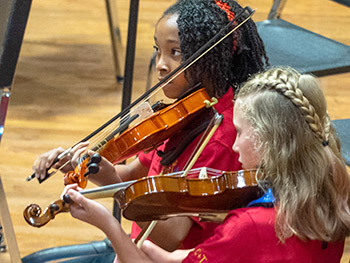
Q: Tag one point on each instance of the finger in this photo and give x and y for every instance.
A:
(52, 156)
(68, 187)
(77, 208)
(80, 206)
(41, 170)
(44, 161)
(76, 156)
(75, 196)
(35, 166)
(79, 146)
(91, 152)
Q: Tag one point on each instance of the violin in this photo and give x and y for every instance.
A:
(160, 197)
(164, 196)
(145, 135)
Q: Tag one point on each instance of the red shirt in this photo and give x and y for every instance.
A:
(248, 235)
(217, 154)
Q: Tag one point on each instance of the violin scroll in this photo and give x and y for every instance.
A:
(32, 213)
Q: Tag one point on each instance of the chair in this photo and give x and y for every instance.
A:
(343, 2)
(290, 45)
(81, 251)
(342, 127)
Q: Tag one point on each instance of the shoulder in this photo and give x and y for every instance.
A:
(247, 224)
(225, 103)
(146, 158)
(233, 240)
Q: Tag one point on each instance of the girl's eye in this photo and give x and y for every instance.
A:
(176, 52)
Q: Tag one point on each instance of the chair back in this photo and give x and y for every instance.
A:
(342, 127)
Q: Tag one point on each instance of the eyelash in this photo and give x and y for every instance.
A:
(174, 52)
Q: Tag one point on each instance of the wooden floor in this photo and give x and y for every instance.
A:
(65, 88)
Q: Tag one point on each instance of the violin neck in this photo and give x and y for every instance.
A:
(105, 191)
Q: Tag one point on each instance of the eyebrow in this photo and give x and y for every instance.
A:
(169, 40)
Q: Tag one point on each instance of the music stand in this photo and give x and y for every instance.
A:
(13, 20)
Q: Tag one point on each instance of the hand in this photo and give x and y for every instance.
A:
(45, 160)
(85, 209)
(107, 173)
(75, 153)
(159, 255)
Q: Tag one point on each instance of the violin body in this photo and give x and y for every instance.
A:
(147, 134)
(164, 196)
(161, 197)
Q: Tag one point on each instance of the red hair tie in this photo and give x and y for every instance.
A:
(225, 7)
(230, 16)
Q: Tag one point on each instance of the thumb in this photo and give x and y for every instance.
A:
(76, 197)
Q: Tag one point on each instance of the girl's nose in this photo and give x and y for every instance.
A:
(234, 147)
(162, 65)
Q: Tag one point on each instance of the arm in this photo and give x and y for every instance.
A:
(158, 254)
(97, 215)
(111, 174)
(108, 174)
(168, 234)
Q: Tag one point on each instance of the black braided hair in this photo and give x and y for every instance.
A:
(198, 22)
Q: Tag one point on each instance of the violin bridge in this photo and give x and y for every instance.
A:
(144, 110)
(203, 173)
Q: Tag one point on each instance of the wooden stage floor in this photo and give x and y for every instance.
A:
(65, 88)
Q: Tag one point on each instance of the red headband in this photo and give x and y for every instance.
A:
(225, 7)
(230, 16)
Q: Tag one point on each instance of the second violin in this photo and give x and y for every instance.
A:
(161, 197)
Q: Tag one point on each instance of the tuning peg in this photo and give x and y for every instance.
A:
(92, 169)
(95, 158)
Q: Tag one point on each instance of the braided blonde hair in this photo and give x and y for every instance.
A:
(300, 154)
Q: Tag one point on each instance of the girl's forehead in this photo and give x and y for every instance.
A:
(167, 29)
(169, 20)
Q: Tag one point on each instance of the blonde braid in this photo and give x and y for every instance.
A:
(327, 127)
(286, 83)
